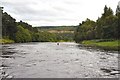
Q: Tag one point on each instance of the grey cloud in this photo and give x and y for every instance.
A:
(51, 10)
(24, 10)
(61, 9)
(119, 3)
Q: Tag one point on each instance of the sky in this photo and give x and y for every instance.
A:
(56, 12)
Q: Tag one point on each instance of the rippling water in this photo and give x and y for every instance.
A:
(49, 60)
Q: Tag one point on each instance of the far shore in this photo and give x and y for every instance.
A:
(8, 41)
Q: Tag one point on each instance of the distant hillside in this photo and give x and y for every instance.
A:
(57, 29)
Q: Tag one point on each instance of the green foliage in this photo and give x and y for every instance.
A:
(103, 44)
(85, 31)
(106, 27)
(6, 41)
(25, 25)
(56, 28)
(23, 35)
(107, 12)
(8, 26)
(64, 36)
(118, 21)
(43, 37)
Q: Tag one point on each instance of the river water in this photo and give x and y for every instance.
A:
(49, 60)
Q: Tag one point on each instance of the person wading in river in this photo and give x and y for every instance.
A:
(58, 44)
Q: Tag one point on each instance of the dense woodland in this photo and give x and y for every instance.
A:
(105, 27)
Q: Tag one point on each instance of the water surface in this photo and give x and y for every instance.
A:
(49, 60)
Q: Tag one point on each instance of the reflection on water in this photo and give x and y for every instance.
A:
(49, 60)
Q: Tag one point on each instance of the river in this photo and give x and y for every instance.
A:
(49, 60)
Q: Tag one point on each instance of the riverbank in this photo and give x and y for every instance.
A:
(110, 45)
(6, 41)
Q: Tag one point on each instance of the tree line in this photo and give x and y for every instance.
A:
(105, 27)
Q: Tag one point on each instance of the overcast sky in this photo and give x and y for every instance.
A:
(56, 12)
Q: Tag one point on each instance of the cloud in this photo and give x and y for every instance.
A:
(56, 12)
(119, 3)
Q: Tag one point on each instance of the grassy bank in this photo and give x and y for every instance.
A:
(6, 41)
(111, 45)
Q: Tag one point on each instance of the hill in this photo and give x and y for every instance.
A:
(57, 29)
